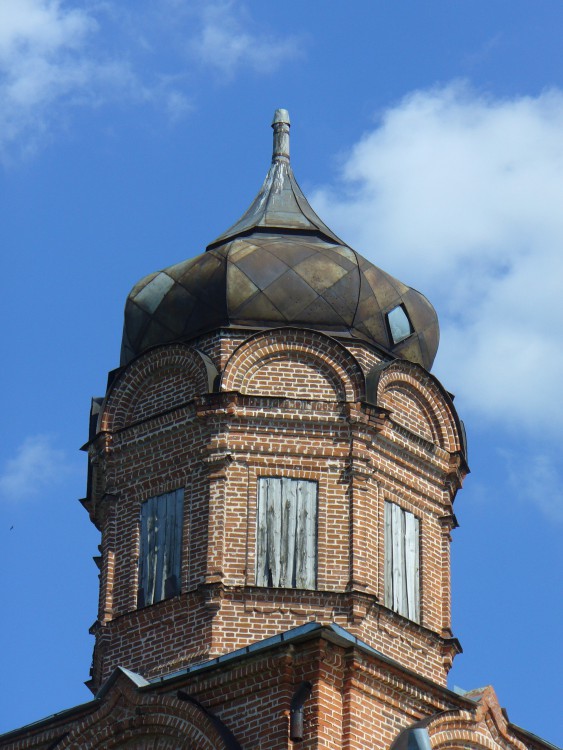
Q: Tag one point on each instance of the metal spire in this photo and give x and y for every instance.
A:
(280, 204)
(281, 125)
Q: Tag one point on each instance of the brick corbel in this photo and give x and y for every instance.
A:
(99, 510)
(216, 465)
(99, 445)
(451, 647)
(212, 594)
(456, 472)
(448, 522)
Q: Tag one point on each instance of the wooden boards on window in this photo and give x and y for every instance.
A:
(286, 535)
(161, 547)
(402, 561)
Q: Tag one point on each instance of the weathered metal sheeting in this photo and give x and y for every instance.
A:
(278, 265)
(269, 280)
(280, 203)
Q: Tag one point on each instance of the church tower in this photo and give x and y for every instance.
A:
(272, 470)
(273, 451)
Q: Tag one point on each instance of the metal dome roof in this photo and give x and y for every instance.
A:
(280, 265)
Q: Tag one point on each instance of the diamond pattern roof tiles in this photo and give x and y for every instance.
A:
(279, 263)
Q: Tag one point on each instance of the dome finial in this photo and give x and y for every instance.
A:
(280, 204)
(281, 125)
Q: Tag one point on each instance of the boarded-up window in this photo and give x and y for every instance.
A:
(286, 539)
(161, 547)
(402, 562)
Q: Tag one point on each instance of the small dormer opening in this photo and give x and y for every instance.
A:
(399, 324)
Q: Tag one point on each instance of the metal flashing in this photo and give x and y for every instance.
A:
(137, 679)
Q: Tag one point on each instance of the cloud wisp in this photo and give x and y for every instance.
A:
(49, 63)
(460, 195)
(227, 42)
(36, 465)
(537, 479)
(60, 57)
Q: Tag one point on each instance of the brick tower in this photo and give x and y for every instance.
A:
(272, 470)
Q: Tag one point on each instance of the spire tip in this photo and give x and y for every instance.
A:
(281, 115)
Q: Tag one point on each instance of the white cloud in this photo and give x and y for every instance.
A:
(60, 55)
(461, 196)
(177, 105)
(40, 26)
(37, 464)
(47, 63)
(227, 42)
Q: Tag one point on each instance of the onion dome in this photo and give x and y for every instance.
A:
(280, 265)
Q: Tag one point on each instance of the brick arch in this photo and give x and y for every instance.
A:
(485, 727)
(160, 379)
(430, 399)
(310, 348)
(462, 730)
(403, 399)
(149, 722)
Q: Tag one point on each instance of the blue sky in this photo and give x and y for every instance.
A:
(428, 135)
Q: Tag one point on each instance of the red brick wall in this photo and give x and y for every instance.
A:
(217, 445)
(302, 378)
(357, 701)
